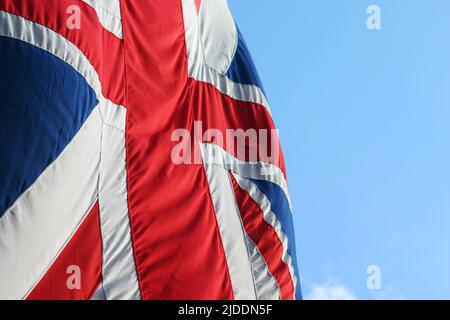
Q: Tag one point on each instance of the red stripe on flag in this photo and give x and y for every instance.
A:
(178, 250)
(102, 48)
(84, 251)
(219, 111)
(198, 3)
(265, 238)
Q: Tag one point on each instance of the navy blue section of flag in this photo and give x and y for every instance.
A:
(279, 205)
(242, 69)
(48, 101)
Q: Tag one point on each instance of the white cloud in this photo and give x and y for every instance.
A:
(332, 289)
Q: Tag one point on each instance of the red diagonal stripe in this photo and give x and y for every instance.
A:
(84, 250)
(222, 112)
(265, 238)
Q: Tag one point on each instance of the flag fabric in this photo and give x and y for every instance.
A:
(128, 164)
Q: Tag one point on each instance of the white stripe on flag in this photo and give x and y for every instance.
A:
(266, 286)
(119, 270)
(214, 154)
(108, 12)
(38, 225)
(270, 217)
(232, 233)
(200, 71)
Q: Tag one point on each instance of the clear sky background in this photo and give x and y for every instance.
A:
(364, 119)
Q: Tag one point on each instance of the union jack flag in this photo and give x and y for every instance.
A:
(138, 156)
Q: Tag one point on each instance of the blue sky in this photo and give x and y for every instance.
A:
(364, 119)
